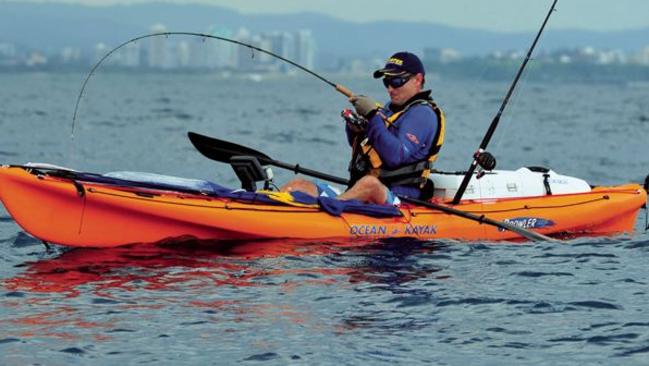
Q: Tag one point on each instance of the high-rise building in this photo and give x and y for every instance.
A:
(70, 55)
(7, 50)
(244, 56)
(445, 55)
(282, 44)
(183, 53)
(264, 43)
(36, 59)
(305, 48)
(157, 52)
(218, 53)
(643, 56)
(8, 54)
(131, 55)
(100, 51)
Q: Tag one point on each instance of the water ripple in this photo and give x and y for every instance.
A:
(25, 240)
(634, 351)
(470, 301)
(262, 357)
(73, 350)
(507, 331)
(596, 305)
(616, 338)
(542, 274)
(9, 340)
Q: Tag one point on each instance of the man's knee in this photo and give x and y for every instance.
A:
(293, 185)
(370, 182)
(301, 185)
(375, 190)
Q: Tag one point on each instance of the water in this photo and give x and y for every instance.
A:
(276, 303)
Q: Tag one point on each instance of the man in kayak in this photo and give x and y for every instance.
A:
(394, 147)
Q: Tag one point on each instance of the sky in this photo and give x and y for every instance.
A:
(496, 15)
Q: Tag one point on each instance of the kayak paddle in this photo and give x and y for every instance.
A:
(223, 151)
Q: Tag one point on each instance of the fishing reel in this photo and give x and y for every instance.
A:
(356, 123)
(486, 162)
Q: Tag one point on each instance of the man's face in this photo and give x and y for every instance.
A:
(400, 95)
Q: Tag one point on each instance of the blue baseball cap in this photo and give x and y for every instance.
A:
(401, 63)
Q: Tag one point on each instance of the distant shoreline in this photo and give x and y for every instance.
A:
(462, 70)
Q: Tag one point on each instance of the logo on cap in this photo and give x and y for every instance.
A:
(396, 61)
(400, 63)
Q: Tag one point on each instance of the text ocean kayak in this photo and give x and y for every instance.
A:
(71, 211)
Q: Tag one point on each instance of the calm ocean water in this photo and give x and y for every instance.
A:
(276, 303)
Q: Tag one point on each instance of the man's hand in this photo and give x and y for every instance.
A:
(355, 123)
(365, 106)
(486, 160)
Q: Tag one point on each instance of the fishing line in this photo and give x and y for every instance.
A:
(493, 69)
(509, 120)
(496, 119)
(339, 88)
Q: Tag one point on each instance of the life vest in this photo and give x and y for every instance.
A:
(365, 159)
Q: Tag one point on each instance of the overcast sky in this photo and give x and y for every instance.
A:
(498, 15)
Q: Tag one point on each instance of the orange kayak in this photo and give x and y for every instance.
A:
(70, 211)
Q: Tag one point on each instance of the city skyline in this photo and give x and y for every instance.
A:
(180, 51)
(37, 35)
(166, 52)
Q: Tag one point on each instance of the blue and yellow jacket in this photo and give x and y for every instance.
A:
(401, 144)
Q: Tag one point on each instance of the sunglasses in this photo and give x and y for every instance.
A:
(396, 81)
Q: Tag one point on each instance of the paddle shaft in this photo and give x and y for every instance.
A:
(527, 234)
(223, 151)
(482, 219)
(496, 120)
(312, 173)
(530, 235)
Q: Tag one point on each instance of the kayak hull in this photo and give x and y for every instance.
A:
(84, 214)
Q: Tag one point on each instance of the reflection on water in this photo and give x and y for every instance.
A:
(214, 278)
(290, 298)
(159, 267)
(217, 263)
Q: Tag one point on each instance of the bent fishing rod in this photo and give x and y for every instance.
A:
(496, 119)
(339, 88)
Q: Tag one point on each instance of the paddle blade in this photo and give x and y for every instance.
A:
(222, 151)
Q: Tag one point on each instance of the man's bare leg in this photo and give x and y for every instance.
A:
(367, 189)
(302, 185)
